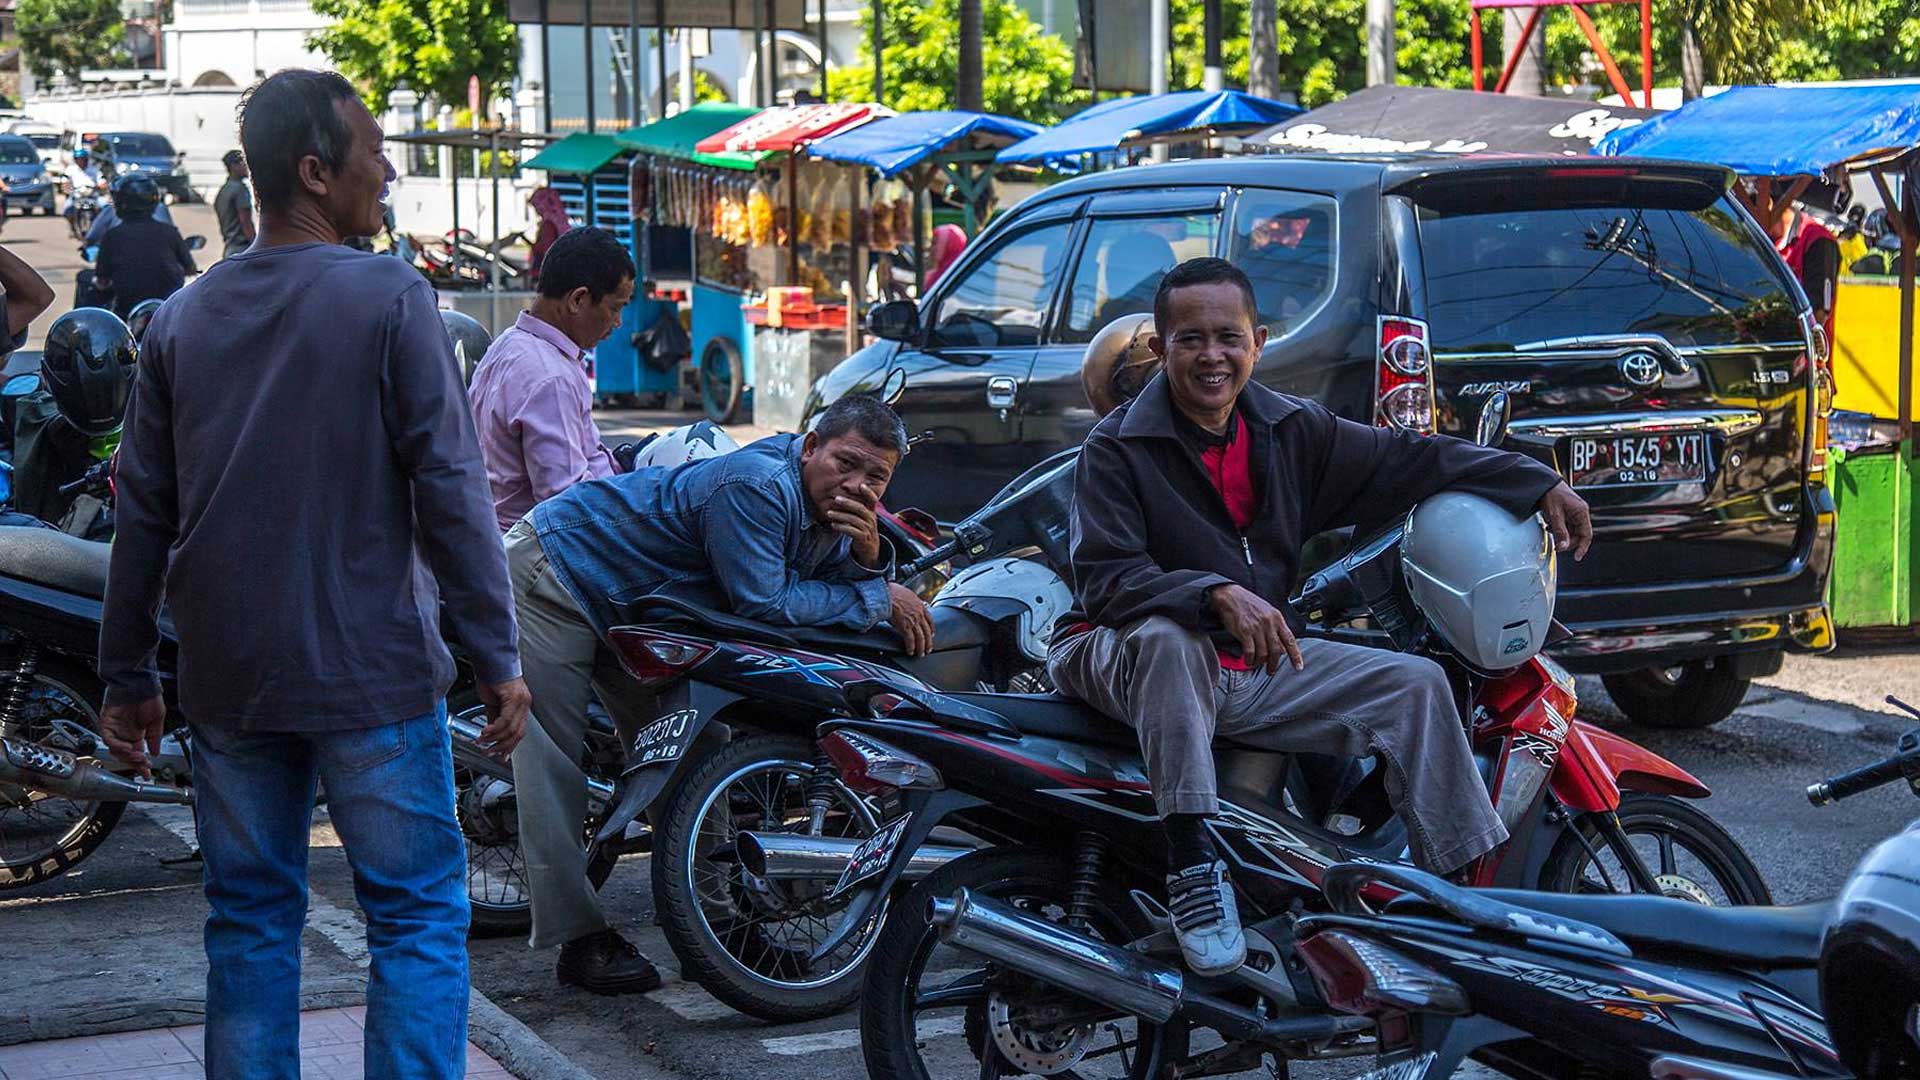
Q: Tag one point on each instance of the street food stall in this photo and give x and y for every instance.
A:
(1426, 119)
(588, 171)
(1794, 137)
(911, 155)
(1118, 132)
(773, 253)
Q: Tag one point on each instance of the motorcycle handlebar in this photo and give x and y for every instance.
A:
(1866, 778)
(908, 571)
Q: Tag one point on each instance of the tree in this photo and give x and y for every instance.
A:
(433, 46)
(67, 36)
(1028, 74)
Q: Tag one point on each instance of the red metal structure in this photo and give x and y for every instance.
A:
(1537, 8)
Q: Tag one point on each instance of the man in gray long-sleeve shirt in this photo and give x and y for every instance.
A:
(300, 471)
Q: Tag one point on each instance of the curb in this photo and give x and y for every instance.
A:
(514, 1044)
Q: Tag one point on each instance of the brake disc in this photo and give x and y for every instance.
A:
(1678, 887)
(1042, 1053)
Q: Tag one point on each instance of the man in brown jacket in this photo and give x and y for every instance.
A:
(1191, 503)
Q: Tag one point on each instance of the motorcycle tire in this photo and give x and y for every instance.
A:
(82, 689)
(742, 961)
(1674, 823)
(1686, 697)
(891, 1040)
(507, 915)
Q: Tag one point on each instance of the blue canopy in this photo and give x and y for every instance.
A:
(1104, 127)
(1780, 130)
(895, 143)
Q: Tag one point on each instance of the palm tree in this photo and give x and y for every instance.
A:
(1729, 41)
(1263, 49)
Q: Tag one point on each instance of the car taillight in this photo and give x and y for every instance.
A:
(1820, 354)
(654, 658)
(1403, 376)
(872, 767)
(1358, 976)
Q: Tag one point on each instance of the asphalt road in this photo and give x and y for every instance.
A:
(142, 917)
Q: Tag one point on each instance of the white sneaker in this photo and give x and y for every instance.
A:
(1206, 918)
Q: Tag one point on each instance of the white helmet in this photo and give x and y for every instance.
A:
(692, 442)
(1017, 588)
(1483, 577)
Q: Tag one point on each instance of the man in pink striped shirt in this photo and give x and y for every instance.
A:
(531, 400)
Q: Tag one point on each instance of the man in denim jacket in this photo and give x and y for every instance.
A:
(782, 531)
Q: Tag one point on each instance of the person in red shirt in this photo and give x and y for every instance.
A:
(1809, 248)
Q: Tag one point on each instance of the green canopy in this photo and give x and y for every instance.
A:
(677, 135)
(580, 153)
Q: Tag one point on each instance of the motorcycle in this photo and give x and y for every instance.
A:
(1550, 986)
(750, 939)
(1071, 896)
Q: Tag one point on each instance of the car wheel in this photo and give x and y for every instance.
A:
(1691, 695)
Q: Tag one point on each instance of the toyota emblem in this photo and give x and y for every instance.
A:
(1641, 370)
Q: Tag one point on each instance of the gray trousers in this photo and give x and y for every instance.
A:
(1166, 682)
(565, 664)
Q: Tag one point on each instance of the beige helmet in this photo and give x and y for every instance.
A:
(1118, 362)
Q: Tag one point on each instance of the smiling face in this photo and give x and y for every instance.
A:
(846, 465)
(355, 196)
(1207, 348)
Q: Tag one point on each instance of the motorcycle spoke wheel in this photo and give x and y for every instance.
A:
(498, 892)
(1690, 855)
(42, 835)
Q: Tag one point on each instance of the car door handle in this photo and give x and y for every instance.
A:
(1001, 390)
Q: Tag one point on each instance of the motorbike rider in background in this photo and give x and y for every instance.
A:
(72, 421)
(140, 258)
(1191, 504)
(80, 177)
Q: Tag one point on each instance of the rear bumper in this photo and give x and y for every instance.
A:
(1622, 629)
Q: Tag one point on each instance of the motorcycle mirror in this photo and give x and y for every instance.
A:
(1492, 428)
(20, 385)
(195, 243)
(894, 386)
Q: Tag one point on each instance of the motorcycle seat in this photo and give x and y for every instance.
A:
(54, 559)
(1052, 716)
(1759, 937)
(952, 628)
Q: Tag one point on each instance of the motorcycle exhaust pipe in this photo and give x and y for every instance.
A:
(1058, 955)
(43, 768)
(468, 753)
(797, 857)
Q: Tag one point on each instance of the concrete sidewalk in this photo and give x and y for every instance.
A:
(331, 1043)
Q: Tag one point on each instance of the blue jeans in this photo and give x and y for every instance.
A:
(390, 795)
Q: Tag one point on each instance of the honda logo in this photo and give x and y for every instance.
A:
(1641, 370)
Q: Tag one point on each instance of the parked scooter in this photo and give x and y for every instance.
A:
(1072, 899)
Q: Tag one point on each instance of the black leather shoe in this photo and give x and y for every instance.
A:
(606, 963)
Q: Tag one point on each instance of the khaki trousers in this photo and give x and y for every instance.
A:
(1166, 682)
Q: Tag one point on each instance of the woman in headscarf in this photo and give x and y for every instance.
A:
(553, 221)
(948, 242)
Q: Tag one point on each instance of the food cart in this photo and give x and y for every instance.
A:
(1116, 132)
(1797, 136)
(772, 235)
(911, 153)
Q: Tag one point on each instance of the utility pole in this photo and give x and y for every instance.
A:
(879, 41)
(1211, 76)
(1263, 49)
(1157, 45)
(968, 95)
(1380, 64)
(1530, 75)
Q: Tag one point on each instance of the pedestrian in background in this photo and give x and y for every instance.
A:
(299, 473)
(532, 403)
(234, 206)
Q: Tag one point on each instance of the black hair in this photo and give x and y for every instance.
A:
(232, 157)
(287, 116)
(1201, 271)
(866, 416)
(588, 257)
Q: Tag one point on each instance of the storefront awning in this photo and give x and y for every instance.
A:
(780, 130)
(580, 153)
(1110, 125)
(893, 144)
(1410, 119)
(677, 135)
(1782, 130)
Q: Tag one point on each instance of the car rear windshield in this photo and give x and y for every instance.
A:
(18, 152)
(1497, 279)
(141, 145)
(49, 141)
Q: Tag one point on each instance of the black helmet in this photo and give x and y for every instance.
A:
(1870, 962)
(135, 193)
(470, 340)
(87, 365)
(140, 316)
